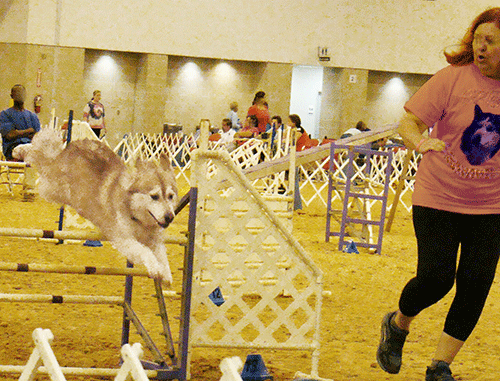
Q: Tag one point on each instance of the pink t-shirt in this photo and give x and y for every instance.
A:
(463, 109)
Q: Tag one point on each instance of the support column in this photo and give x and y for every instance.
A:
(354, 85)
(150, 96)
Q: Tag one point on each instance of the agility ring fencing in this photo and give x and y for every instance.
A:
(313, 176)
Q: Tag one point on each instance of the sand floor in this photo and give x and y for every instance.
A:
(363, 288)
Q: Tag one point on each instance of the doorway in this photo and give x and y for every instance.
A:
(305, 97)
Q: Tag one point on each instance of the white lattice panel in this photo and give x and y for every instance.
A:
(272, 290)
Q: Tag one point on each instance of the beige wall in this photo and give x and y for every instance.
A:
(376, 97)
(353, 97)
(387, 93)
(13, 63)
(141, 92)
(52, 72)
(389, 35)
(156, 81)
(203, 88)
(14, 15)
(151, 92)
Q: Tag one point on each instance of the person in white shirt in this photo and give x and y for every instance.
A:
(360, 127)
(226, 133)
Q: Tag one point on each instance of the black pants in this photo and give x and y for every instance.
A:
(97, 132)
(439, 235)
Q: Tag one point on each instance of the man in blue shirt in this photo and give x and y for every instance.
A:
(17, 125)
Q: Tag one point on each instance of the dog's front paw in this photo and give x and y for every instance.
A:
(166, 276)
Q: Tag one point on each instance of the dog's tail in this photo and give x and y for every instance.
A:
(46, 145)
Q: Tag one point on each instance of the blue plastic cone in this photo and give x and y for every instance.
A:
(92, 243)
(216, 297)
(255, 370)
(351, 248)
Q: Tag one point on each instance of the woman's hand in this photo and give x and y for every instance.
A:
(428, 144)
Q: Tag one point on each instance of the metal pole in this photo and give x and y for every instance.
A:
(68, 139)
(187, 286)
(129, 281)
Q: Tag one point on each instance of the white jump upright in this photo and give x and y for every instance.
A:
(131, 367)
(42, 354)
(231, 368)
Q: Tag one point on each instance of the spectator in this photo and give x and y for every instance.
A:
(250, 128)
(17, 125)
(260, 109)
(360, 127)
(276, 123)
(226, 133)
(233, 116)
(295, 122)
(93, 114)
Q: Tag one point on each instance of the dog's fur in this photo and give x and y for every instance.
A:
(130, 206)
(20, 152)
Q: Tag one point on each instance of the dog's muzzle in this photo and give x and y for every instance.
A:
(167, 220)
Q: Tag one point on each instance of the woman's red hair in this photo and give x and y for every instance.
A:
(464, 55)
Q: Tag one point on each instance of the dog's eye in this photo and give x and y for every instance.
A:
(170, 197)
(155, 197)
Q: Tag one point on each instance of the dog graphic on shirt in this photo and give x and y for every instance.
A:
(481, 140)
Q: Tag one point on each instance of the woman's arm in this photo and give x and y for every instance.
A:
(411, 129)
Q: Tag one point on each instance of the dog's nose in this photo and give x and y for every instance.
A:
(167, 220)
(169, 217)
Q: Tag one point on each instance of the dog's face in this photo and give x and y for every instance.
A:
(486, 135)
(481, 140)
(153, 193)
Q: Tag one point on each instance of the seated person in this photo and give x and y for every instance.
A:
(276, 125)
(17, 125)
(226, 133)
(360, 127)
(303, 139)
(250, 128)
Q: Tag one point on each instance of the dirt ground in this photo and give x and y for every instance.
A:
(363, 288)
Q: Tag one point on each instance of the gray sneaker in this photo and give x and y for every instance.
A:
(390, 349)
(441, 372)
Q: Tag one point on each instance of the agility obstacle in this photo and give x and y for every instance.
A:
(172, 365)
(44, 355)
(16, 173)
(68, 269)
(80, 235)
(240, 248)
(252, 248)
(358, 195)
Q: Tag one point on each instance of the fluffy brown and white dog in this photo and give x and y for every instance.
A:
(130, 206)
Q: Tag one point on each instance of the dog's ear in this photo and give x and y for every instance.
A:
(138, 164)
(165, 161)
